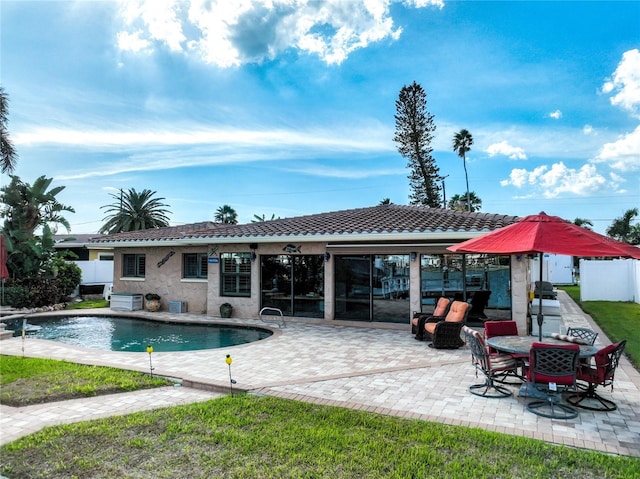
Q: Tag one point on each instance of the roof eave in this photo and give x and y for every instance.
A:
(308, 238)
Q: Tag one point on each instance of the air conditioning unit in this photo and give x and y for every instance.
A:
(177, 307)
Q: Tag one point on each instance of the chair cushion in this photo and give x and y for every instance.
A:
(570, 339)
(502, 361)
(430, 327)
(500, 328)
(457, 312)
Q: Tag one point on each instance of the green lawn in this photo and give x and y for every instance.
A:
(246, 436)
(618, 320)
(27, 381)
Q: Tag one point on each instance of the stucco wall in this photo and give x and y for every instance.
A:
(164, 277)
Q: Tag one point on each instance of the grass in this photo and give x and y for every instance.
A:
(89, 304)
(246, 436)
(26, 381)
(618, 320)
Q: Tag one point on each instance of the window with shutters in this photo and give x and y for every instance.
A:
(235, 274)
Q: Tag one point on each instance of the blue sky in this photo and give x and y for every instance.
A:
(287, 107)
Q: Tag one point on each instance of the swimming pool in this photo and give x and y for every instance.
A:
(114, 333)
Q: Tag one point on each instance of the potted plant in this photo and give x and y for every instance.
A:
(225, 310)
(152, 302)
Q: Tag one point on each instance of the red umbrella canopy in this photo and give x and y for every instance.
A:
(547, 234)
(4, 272)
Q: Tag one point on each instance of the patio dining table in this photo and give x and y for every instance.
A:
(522, 345)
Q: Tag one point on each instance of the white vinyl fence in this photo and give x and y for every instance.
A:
(610, 280)
(96, 272)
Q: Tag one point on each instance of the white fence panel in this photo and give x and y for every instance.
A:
(96, 272)
(610, 280)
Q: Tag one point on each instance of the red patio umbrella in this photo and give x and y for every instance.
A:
(539, 234)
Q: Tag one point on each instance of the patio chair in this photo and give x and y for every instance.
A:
(547, 290)
(440, 311)
(445, 333)
(506, 328)
(479, 301)
(552, 366)
(588, 335)
(606, 362)
(490, 364)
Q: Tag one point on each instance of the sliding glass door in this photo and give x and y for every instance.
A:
(372, 288)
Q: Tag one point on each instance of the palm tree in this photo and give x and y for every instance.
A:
(9, 155)
(622, 229)
(133, 211)
(461, 203)
(585, 223)
(31, 214)
(385, 201)
(260, 219)
(462, 142)
(226, 214)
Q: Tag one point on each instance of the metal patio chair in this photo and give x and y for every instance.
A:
(490, 364)
(606, 362)
(552, 366)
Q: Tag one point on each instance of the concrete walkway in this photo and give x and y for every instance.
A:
(376, 369)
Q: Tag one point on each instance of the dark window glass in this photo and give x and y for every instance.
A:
(194, 265)
(133, 265)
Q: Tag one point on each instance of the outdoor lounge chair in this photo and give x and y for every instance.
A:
(445, 333)
(440, 311)
(479, 301)
(547, 290)
(492, 365)
(552, 366)
(606, 362)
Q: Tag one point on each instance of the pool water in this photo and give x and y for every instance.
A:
(134, 335)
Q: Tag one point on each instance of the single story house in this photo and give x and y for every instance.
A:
(376, 264)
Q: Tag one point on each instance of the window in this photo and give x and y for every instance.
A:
(133, 265)
(235, 274)
(194, 265)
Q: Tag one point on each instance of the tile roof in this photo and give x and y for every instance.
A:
(382, 219)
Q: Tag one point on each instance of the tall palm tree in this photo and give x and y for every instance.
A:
(9, 157)
(462, 142)
(226, 214)
(133, 211)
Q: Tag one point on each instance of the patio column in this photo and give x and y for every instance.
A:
(519, 292)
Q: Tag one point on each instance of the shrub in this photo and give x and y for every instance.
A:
(16, 296)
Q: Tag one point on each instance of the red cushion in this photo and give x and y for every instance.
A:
(500, 328)
(564, 380)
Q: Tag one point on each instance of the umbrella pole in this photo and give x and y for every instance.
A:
(540, 317)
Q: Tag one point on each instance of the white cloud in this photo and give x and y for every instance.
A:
(505, 149)
(625, 83)
(556, 114)
(587, 129)
(230, 33)
(622, 154)
(132, 42)
(554, 181)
